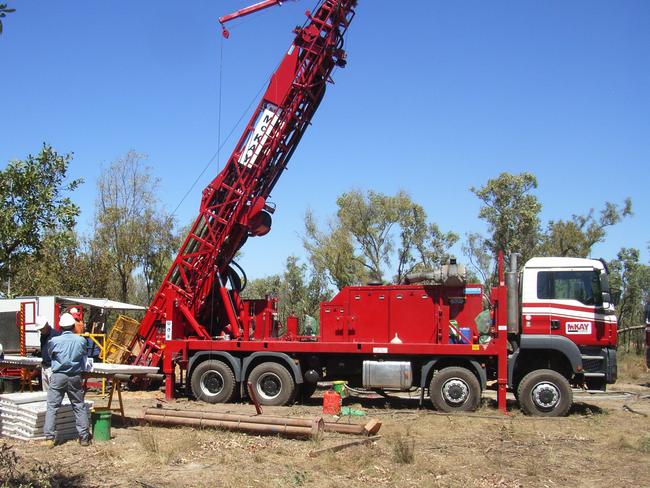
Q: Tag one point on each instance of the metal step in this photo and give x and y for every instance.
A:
(594, 375)
(599, 358)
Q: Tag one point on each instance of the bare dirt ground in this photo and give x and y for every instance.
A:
(605, 441)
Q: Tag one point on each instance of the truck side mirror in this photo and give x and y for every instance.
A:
(613, 297)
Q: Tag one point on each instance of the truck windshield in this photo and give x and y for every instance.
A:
(583, 286)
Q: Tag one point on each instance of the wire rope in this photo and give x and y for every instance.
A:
(225, 141)
(220, 145)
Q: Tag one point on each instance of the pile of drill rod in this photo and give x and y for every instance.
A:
(252, 424)
(256, 424)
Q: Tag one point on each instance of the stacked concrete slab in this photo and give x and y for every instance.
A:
(22, 416)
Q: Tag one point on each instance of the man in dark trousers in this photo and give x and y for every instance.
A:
(68, 353)
(47, 332)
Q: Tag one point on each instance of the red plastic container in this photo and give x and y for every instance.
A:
(331, 403)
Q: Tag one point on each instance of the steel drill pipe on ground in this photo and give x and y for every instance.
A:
(247, 427)
(229, 417)
(355, 429)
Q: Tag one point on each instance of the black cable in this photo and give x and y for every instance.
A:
(243, 275)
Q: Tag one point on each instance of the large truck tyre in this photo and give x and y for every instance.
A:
(214, 382)
(273, 384)
(545, 393)
(455, 389)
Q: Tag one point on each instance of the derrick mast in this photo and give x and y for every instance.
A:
(199, 297)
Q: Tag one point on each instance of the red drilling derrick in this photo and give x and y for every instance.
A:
(194, 300)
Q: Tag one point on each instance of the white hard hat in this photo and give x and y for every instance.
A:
(76, 314)
(40, 322)
(66, 321)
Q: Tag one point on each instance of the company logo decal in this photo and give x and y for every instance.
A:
(578, 327)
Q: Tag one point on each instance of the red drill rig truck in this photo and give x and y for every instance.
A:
(547, 329)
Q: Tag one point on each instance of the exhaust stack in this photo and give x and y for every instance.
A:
(512, 286)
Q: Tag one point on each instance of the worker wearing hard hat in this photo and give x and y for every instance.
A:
(68, 353)
(47, 333)
(78, 320)
(79, 328)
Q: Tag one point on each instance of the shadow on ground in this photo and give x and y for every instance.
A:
(586, 409)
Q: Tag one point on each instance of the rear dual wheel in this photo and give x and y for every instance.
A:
(273, 384)
(213, 381)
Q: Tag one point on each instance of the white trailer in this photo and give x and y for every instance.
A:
(50, 307)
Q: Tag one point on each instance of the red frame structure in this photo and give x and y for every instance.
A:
(246, 11)
(234, 205)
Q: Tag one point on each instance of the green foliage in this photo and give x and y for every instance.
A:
(299, 291)
(576, 237)
(130, 226)
(300, 295)
(633, 279)
(512, 214)
(480, 258)
(332, 252)
(4, 10)
(157, 244)
(64, 266)
(263, 287)
(360, 243)
(34, 204)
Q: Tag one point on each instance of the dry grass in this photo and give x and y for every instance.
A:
(153, 446)
(403, 447)
(641, 444)
(163, 451)
(22, 472)
(631, 367)
(417, 449)
(297, 478)
(644, 444)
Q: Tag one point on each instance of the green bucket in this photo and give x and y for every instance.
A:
(101, 424)
(339, 387)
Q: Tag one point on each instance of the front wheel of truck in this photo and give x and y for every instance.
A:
(545, 393)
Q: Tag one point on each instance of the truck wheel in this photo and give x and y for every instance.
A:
(273, 384)
(213, 382)
(545, 393)
(455, 389)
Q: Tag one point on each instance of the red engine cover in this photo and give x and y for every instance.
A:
(409, 313)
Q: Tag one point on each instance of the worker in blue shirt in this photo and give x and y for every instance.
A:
(68, 353)
(47, 332)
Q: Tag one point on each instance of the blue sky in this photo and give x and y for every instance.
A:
(437, 97)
